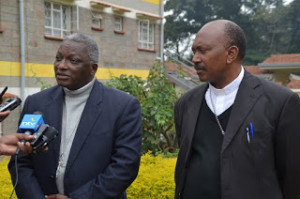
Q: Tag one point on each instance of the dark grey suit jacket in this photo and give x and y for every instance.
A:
(105, 154)
(266, 168)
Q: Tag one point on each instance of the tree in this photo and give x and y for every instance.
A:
(270, 26)
(157, 98)
(294, 28)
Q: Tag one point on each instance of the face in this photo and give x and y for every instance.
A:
(73, 68)
(210, 55)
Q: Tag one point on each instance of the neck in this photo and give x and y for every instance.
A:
(227, 77)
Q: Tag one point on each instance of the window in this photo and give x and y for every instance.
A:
(146, 35)
(57, 20)
(118, 23)
(96, 20)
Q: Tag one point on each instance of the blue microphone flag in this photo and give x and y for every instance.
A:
(31, 122)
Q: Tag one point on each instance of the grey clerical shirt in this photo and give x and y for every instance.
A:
(73, 105)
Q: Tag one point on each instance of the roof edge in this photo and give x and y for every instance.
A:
(295, 65)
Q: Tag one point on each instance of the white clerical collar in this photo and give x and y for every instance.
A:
(219, 100)
(233, 86)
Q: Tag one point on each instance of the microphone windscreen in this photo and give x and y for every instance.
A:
(51, 132)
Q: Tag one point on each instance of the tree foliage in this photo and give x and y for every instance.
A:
(157, 98)
(270, 26)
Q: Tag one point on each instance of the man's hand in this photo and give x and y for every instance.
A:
(57, 196)
(3, 115)
(9, 144)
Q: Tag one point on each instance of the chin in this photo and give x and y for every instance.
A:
(63, 84)
(203, 79)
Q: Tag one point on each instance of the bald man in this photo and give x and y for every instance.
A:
(239, 135)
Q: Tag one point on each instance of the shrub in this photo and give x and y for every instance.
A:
(5, 182)
(155, 179)
(157, 98)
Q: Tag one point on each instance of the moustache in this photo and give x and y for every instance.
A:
(199, 67)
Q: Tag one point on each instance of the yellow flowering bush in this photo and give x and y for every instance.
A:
(155, 179)
(5, 182)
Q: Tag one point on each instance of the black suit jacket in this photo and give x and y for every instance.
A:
(266, 168)
(105, 154)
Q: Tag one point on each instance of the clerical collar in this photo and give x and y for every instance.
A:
(81, 90)
(219, 100)
(233, 86)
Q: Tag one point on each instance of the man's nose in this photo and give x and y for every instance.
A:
(196, 58)
(61, 64)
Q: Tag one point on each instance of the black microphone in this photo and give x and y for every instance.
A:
(43, 137)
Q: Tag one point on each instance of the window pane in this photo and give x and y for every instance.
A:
(56, 7)
(65, 33)
(118, 19)
(48, 31)
(56, 19)
(64, 17)
(96, 23)
(118, 27)
(57, 33)
(47, 9)
(47, 21)
(151, 33)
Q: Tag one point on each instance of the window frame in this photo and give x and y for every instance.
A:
(64, 17)
(119, 23)
(146, 27)
(97, 16)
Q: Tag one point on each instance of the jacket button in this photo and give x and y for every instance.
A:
(52, 177)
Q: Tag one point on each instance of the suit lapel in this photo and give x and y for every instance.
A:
(89, 116)
(193, 109)
(247, 95)
(55, 107)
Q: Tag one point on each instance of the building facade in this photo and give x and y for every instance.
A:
(128, 33)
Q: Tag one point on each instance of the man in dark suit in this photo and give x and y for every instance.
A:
(239, 135)
(97, 152)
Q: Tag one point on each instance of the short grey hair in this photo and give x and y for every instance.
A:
(92, 46)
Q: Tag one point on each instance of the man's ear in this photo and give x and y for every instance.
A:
(94, 69)
(233, 52)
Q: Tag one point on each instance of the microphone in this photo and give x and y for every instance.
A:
(29, 125)
(43, 137)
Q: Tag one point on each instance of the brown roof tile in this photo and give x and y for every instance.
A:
(171, 67)
(255, 70)
(283, 58)
(294, 83)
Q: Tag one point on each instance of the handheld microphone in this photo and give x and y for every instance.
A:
(43, 137)
(29, 125)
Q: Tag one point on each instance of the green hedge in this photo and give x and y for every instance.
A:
(155, 179)
(5, 182)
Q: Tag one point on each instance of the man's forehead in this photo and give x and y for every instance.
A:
(209, 34)
(72, 46)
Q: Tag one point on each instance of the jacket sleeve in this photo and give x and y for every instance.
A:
(177, 122)
(27, 186)
(124, 164)
(287, 146)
